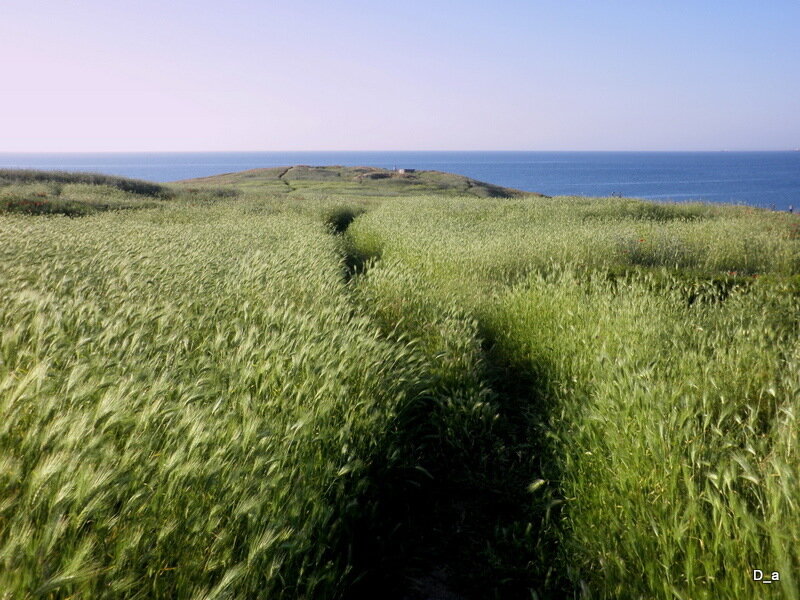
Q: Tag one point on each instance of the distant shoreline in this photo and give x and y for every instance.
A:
(756, 178)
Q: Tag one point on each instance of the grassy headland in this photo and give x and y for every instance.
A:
(355, 181)
(344, 382)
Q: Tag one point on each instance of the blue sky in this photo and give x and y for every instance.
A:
(85, 75)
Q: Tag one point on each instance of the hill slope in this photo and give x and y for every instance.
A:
(75, 194)
(359, 181)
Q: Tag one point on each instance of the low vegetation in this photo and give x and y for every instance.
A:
(125, 184)
(355, 181)
(75, 194)
(232, 393)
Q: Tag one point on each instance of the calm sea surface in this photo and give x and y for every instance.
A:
(756, 178)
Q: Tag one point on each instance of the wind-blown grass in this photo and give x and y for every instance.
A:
(675, 429)
(653, 359)
(232, 395)
(190, 407)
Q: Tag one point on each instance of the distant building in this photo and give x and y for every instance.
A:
(404, 171)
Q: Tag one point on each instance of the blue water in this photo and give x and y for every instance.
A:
(755, 178)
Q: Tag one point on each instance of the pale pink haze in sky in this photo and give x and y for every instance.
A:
(510, 75)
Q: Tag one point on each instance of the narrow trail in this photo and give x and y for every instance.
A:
(284, 181)
(407, 581)
(449, 548)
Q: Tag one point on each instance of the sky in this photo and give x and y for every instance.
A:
(247, 75)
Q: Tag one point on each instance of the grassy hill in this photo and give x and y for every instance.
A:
(358, 181)
(266, 385)
(81, 194)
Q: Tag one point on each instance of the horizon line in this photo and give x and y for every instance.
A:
(721, 150)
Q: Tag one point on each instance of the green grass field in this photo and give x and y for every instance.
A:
(338, 386)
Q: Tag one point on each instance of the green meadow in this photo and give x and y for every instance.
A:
(342, 383)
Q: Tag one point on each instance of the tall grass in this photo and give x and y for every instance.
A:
(239, 396)
(654, 357)
(191, 408)
(675, 429)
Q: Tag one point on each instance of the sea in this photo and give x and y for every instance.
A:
(765, 179)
